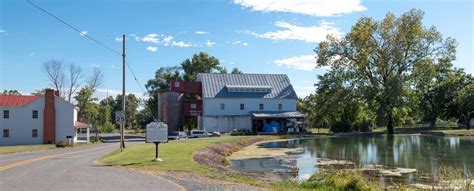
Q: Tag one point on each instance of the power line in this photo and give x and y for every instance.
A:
(90, 38)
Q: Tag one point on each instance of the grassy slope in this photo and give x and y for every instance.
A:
(177, 156)
(29, 148)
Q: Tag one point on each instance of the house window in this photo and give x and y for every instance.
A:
(193, 106)
(280, 106)
(222, 106)
(177, 84)
(6, 114)
(260, 106)
(6, 133)
(35, 114)
(34, 133)
(242, 106)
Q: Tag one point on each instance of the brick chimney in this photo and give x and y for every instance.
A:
(49, 122)
(56, 93)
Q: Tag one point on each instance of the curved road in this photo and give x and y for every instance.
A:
(73, 169)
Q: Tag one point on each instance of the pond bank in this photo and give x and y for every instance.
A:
(216, 156)
(403, 159)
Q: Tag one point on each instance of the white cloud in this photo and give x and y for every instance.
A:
(303, 91)
(161, 39)
(210, 43)
(303, 62)
(240, 43)
(2, 31)
(201, 32)
(118, 39)
(151, 38)
(168, 40)
(83, 33)
(31, 54)
(306, 7)
(312, 34)
(115, 67)
(152, 48)
(181, 44)
(94, 65)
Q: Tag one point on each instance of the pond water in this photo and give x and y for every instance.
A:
(424, 155)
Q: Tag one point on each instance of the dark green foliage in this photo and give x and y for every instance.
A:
(187, 70)
(389, 72)
(10, 92)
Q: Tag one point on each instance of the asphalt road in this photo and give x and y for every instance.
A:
(73, 169)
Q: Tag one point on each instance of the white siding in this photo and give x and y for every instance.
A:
(211, 106)
(64, 119)
(226, 123)
(232, 117)
(21, 124)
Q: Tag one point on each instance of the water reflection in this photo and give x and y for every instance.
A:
(424, 153)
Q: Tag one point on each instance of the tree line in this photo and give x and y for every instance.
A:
(187, 70)
(74, 87)
(389, 73)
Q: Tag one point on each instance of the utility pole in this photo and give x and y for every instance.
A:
(122, 126)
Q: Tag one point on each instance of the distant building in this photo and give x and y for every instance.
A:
(258, 102)
(38, 119)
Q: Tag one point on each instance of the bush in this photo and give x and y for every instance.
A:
(62, 144)
(331, 180)
(341, 126)
(107, 127)
(339, 180)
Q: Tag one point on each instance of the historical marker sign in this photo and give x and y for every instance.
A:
(156, 132)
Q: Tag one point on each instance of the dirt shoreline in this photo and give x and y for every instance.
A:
(216, 157)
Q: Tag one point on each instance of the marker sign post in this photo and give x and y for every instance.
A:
(156, 132)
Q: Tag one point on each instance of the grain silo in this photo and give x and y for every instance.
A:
(170, 110)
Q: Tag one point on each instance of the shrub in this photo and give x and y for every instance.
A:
(330, 180)
(62, 144)
(339, 180)
(107, 127)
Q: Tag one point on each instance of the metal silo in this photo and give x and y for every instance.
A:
(170, 110)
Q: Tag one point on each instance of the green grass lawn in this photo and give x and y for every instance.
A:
(464, 132)
(413, 130)
(29, 148)
(176, 156)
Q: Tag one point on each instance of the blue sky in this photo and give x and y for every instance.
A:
(265, 36)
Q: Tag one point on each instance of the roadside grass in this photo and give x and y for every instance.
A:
(29, 148)
(177, 156)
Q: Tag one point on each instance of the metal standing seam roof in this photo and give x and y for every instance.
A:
(213, 85)
(16, 100)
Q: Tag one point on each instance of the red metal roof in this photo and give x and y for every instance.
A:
(81, 124)
(16, 100)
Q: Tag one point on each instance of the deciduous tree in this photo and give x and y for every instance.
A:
(381, 54)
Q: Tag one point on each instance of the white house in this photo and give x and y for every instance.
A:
(259, 102)
(37, 119)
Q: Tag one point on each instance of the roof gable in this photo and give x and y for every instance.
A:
(216, 85)
(16, 100)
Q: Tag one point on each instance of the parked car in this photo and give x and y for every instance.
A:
(215, 134)
(198, 134)
(241, 132)
(177, 135)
